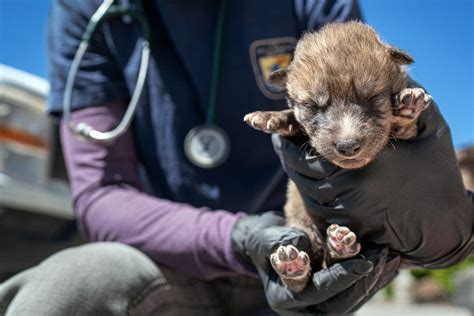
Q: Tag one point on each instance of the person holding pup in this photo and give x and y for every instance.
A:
(179, 215)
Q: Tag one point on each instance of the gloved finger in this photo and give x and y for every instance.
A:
(323, 285)
(375, 254)
(334, 198)
(259, 221)
(293, 157)
(340, 276)
(322, 191)
(251, 226)
(346, 300)
(271, 218)
(389, 273)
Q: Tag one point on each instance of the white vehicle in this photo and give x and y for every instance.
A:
(36, 217)
(29, 148)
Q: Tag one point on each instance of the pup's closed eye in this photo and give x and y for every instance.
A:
(380, 96)
(309, 104)
(375, 98)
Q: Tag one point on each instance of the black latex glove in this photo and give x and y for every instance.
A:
(411, 198)
(340, 289)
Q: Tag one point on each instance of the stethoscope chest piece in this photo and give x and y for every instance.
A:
(207, 146)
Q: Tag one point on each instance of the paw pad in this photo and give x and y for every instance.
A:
(341, 242)
(290, 263)
(411, 102)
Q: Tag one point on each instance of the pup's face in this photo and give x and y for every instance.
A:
(341, 84)
(348, 133)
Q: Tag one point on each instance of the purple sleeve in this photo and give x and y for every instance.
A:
(109, 206)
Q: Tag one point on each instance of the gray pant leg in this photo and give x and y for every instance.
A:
(103, 279)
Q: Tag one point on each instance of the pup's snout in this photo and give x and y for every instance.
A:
(348, 147)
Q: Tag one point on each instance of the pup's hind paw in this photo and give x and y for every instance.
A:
(409, 103)
(280, 122)
(342, 242)
(292, 265)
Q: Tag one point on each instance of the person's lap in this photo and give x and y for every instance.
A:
(114, 279)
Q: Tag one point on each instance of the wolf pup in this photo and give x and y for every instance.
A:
(348, 93)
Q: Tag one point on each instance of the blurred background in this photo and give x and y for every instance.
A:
(35, 211)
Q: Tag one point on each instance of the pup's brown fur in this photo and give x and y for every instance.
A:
(348, 92)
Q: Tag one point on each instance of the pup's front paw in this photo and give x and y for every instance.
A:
(411, 102)
(342, 242)
(293, 267)
(280, 122)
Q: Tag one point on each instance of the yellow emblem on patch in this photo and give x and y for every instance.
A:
(269, 64)
(267, 56)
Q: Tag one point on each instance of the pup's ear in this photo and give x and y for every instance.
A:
(278, 78)
(400, 56)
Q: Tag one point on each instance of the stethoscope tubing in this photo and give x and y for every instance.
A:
(83, 130)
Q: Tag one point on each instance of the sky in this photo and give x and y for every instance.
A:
(439, 34)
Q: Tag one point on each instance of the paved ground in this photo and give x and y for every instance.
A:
(390, 309)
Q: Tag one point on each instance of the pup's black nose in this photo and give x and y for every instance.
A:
(348, 147)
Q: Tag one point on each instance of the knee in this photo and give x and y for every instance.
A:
(97, 278)
(102, 266)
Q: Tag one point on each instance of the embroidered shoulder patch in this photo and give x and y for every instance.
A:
(268, 55)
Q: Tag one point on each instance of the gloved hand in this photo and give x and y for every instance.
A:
(340, 289)
(410, 198)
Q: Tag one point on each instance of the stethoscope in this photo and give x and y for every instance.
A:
(207, 145)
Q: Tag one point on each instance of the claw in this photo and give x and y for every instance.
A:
(303, 258)
(291, 252)
(274, 259)
(281, 253)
